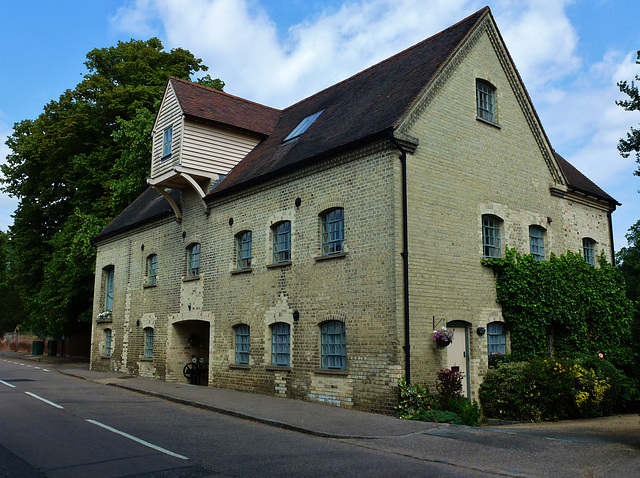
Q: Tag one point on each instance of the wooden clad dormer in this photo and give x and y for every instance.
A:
(200, 134)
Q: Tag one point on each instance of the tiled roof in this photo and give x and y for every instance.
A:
(368, 104)
(216, 106)
(580, 183)
(149, 206)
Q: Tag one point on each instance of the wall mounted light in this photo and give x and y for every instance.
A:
(298, 202)
(296, 315)
(481, 330)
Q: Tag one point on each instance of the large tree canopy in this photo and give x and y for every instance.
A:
(78, 165)
(631, 144)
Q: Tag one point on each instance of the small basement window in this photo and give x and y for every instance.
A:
(302, 126)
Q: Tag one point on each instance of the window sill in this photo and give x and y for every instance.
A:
(276, 368)
(238, 366)
(278, 265)
(337, 255)
(241, 271)
(146, 360)
(105, 357)
(490, 123)
(164, 158)
(326, 371)
(191, 279)
(104, 321)
(149, 286)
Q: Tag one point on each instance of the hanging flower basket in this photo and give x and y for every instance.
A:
(442, 337)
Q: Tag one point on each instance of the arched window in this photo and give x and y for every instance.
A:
(485, 99)
(152, 269)
(193, 261)
(107, 342)
(280, 348)
(589, 251)
(281, 242)
(496, 338)
(148, 342)
(108, 287)
(333, 351)
(243, 248)
(242, 344)
(332, 231)
(536, 242)
(491, 236)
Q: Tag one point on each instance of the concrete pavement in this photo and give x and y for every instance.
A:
(608, 446)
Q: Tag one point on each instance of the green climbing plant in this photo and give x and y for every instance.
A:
(584, 307)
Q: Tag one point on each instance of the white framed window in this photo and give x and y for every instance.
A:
(243, 248)
(193, 261)
(536, 242)
(496, 338)
(148, 343)
(333, 345)
(280, 344)
(152, 269)
(242, 344)
(108, 288)
(167, 136)
(282, 242)
(485, 99)
(589, 251)
(491, 236)
(108, 334)
(333, 231)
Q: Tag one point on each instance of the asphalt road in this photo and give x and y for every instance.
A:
(57, 426)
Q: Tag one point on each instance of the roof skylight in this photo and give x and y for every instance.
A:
(302, 126)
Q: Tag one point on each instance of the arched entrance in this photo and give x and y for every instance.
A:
(189, 339)
(458, 352)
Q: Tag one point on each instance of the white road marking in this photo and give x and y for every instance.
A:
(142, 442)
(44, 400)
(7, 384)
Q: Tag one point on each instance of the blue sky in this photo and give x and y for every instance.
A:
(570, 53)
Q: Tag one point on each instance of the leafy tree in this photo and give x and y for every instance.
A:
(76, 166)
(629, 261)
(631, 144)
(11, 309)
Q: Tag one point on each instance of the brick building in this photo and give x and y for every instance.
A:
(310, 252)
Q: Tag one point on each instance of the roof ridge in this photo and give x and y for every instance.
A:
(213, 90)
(392, 57)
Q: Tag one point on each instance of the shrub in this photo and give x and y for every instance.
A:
(503, 394)
(449, 385)
(413, 400)
(469, 411)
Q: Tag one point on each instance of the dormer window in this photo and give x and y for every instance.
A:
(166, 142)
(302, 126)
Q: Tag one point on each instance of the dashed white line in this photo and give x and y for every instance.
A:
(142, 442)
(44, 400)
(7, 384)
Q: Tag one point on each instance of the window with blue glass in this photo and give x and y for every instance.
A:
(333, 353)
(107, 342)
(491, 239)
(166, 142)
(280, 344)
(243, 247)
(152, 269)
(108, 288)
(536, 242)
(148, 343)
(588, 251)
(193, 261)
(333, 232)
(485, 98)
(242, 344)
(496, 338)
(282, 242)
(302, 126)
